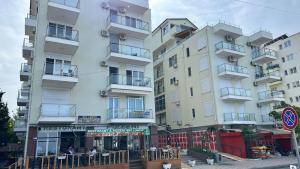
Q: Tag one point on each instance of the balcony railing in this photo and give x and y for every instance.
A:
(269, 73)
(28, 43)
(69, 3)
(23, 94)
(63, 33)
(230, 91)
(230, 46)
(58, 110)
(232, 68)
(239, 117)
(129, 113)
(266, 118)
(129, 80)
(256, 52)
(128, 50)
(61, 70)
(31, 17)
(26, 68)
(128, 21)
(270, 95)
(20, 123)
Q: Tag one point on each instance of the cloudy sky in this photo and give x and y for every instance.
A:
(277, 16)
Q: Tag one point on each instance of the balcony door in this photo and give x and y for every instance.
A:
(114, 107)
(135, 104)
(58, 67)
(60, 31)
(113, 75)
(135, 78)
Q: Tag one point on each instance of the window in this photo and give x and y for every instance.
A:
(193, 113)
(280, 46)
(187, 52)
(173, 61)
(60, 31)
(293, 70)
(191, 91)
(288, 86)
(283, 59)
(173, 80)
(165, 30)
(287, 44)
(135, 103)
(297, 99)
(297, 84)
(290, 57)
(160, 103)
(294, 84)
(285, 72)
(159, 87)
(291, 99)
(59, 67)
(47, 144)
(190, 71)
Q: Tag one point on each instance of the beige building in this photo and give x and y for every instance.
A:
(288, 60)
(213, 76)
(88, 75)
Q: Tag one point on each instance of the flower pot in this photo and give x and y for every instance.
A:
(192, 163)
(167, 166)
(210, 161)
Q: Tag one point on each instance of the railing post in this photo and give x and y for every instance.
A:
(127, 156)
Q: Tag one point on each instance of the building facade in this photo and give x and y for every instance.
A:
(89, 73)
(212, 77)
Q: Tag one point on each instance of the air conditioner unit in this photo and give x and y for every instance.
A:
(102, 93)
(228, 38)
(232, 59)
(177, 103)
(175, 65)
(105, 5)
(103, 64)
(122, 37)
(122, 10)
(176, 82)
(104, 33)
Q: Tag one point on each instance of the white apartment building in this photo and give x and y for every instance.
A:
(213, 76)
(89, 76)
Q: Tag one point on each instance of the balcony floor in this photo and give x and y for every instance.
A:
(62, 46)
(133, 32)
(132, 120)
(59, 81)
(128, 59)
(62, 13)
(236, 98)
(127, 89)
(268, 79)
(56, 120)
(233, 75)
(264, 59)
(227, 53)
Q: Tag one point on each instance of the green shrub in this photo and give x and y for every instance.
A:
(205, 152)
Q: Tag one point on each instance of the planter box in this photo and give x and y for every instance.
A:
(197, 155)
(157, 164)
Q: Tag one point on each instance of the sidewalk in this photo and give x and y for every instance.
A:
(273, 163)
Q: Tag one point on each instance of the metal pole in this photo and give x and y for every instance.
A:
(296, 147)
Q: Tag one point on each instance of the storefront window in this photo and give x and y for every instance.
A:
(47, 143)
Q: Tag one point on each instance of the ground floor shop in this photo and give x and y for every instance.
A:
(53, 140)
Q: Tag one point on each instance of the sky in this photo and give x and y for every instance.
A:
(277, 16)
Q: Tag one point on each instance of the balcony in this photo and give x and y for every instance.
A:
(28, 48)
(25, 72)
(128, 85)
(128, 25)
(23, 97)
(60, 76)
(225, 49)
(139, 6)
(267, 97)
(263, 55)
(239, 118)
(30, 25)
(130, 116)
(230, 71)
(225, 29)
(23, 110)
(128, 54)
(269, 77)
(64, 11)
(260, 37)
(20, 125)
(57, 113)
(235, 94)
(61, 40)
(266, 119)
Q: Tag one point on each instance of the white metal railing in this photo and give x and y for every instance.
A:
(266, 118)
(23, 94)
(235, 92)
(230, 46)
(61, 70)
(226, 67)
(129, 113)
(265, 95)
(25, 68)
(129, 80)
(269, 73)
(69, 3)
(239, 117)
(58, 110)
(28, 43)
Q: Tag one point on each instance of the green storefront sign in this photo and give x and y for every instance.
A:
(119, 132)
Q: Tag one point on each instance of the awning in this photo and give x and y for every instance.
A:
(185, 33)
(277, 133)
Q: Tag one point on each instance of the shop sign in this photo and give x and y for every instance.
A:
(89, 119)
(119, 132)
(63, 128)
